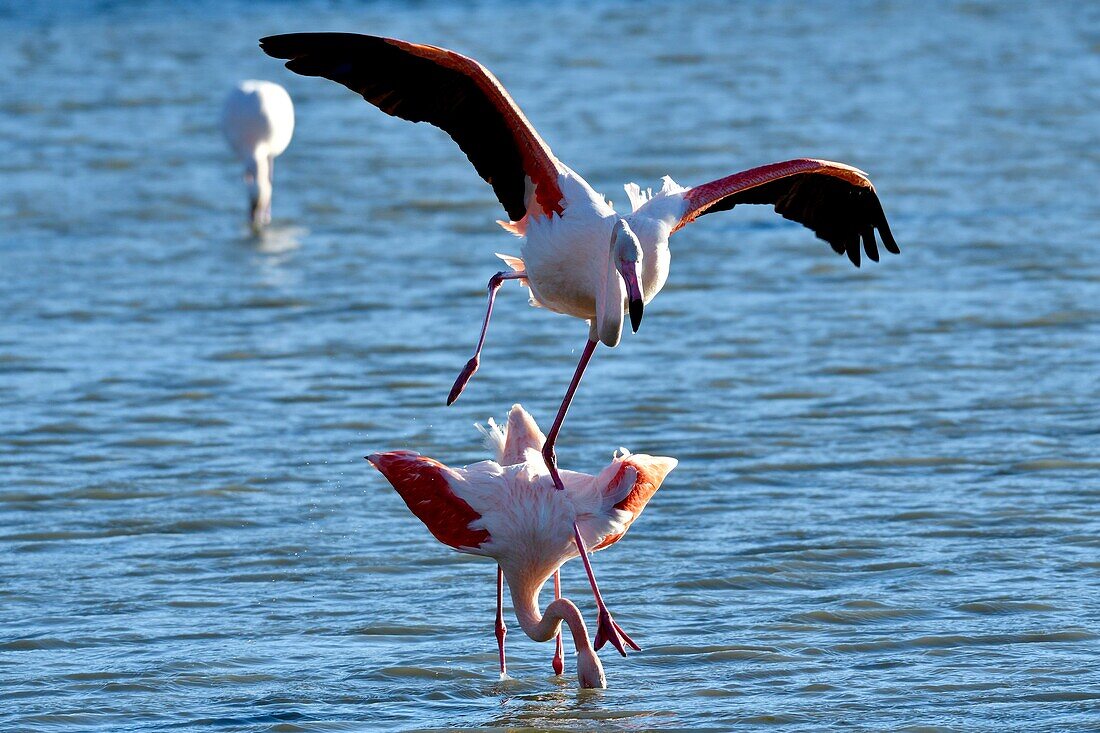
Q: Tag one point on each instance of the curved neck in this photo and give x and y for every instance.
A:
(610, 294)
(543, 627)
(259, 175)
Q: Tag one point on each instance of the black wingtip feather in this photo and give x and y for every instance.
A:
(276, 46)
(888, 238)
(869, 245)
(293, 45)
(884, 229)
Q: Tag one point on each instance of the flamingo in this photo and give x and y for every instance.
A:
(508, 509)
(258, 122)
(579, 257)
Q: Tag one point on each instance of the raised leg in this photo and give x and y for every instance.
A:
(559, 654)
(501, 629)
(471, 366)
(552, 437)
(606, 628)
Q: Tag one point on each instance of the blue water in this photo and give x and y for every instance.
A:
(885, 514)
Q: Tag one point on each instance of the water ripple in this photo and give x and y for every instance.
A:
(885, 513)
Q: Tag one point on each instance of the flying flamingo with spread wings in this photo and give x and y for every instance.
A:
(579, 256)
(509, 510)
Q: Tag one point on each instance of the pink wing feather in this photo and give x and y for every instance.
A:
(651, 474)
(422, 483)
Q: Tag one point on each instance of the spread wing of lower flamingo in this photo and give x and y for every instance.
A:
(579, 257)
(509, 509)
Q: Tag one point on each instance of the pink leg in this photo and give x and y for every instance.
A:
(552, 437)
(471, 366)
(606, 628)
(502, 630)
(559, 654)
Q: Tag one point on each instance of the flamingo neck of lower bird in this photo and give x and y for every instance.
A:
(544, 626)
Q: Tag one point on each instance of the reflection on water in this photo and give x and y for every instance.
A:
(885, 509)
(278, 239)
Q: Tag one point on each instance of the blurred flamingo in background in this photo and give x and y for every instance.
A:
(509, 510)
(579, 256)
(258, 122)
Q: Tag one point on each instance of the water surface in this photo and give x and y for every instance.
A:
(885, 513)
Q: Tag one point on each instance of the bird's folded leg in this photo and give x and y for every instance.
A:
(606, 628)
(471, 366)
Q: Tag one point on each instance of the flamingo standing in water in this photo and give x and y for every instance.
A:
(509, 510)
(579, 256)
(258, 122)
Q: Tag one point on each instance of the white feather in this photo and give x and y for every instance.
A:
(636, 195)
(494, 437)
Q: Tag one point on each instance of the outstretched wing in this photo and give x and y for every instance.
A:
(455, 93)
(422, 483)
(647, 474)
(834, 200)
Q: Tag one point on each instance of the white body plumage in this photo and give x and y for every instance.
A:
(569, 260)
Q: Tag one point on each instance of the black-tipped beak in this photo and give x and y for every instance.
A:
(635, 304)
(636, 307)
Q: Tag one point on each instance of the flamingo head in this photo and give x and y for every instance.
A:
(626, 251)
(624, 265)
(589, 670)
